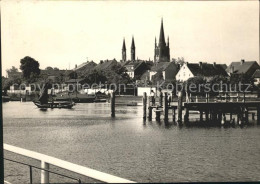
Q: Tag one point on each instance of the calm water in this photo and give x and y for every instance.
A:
(128, 148)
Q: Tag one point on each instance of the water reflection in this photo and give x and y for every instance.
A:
(131, 148)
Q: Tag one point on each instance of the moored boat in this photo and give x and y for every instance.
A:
(56, 104)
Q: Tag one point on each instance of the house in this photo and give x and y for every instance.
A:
(206, 70)
(135, 68)
(168, 70)
(243, 67)
(84, 68)
(256, 77)
(105, 64)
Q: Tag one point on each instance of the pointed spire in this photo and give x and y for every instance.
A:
(161, 38)
(168, 43)
(124, 48)
(155, 42)
(133, 43)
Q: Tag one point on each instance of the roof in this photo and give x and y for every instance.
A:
(240, 67)
(55, 72)
(161, 66)
(74, 80)
(206, 69)
(257, 74)
(106, 64)
(134, 64)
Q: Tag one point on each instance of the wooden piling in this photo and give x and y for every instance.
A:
(186, 115)
(207, 115)
(112, 103)
(160, 99)
(201, 116)
(246, 115)
(253, 116)
(157, 114)
(180, 107)
(165, 107)
(144, 105)
(258, 115)
(150, 113)
(173, 115)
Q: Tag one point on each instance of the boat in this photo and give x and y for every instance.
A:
(44, 103)
(55, 104)
(5, 98)
(132, 104)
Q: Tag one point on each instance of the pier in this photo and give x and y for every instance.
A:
(222, 111)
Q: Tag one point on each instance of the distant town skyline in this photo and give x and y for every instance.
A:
(65, 33)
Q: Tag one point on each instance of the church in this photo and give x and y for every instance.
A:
(161, 50)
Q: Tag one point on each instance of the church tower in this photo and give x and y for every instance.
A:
(162, 51)
(123, 52)
(133, 50)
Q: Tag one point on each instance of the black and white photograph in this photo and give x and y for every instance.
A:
(129, 91)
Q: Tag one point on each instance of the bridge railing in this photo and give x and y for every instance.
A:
(48, 160)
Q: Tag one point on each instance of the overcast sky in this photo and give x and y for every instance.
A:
(64, 33)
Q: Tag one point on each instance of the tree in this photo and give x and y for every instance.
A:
(95, 76)
(180, 60)
(29, 67)
(49, 68)
(56, 69)
(11, 70)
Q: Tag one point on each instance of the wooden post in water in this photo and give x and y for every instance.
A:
(144, 105)
(160, 99)
(157, 114)
(180, 107)
(258, 115)
(173, 115)
(150, 109)
(165, 107)
(246, 115)
(207, 99)
(186, 115)
(201, 116)
(112, 103)
(253, 116)
(207, 115)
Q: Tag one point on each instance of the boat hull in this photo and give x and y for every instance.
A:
(64, 105)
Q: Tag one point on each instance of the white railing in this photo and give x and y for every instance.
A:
(46, 160)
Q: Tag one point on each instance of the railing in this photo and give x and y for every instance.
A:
(225, 97)
(31, 166)
(48, 160)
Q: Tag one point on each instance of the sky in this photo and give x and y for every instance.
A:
(64, 33)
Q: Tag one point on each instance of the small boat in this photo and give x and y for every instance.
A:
(56, 104)
(100, 100)
(44, 103)
(5, 98)
(132, 104)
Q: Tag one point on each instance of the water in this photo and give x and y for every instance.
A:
(128, 148)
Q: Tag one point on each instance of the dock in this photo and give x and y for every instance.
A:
(221, 112)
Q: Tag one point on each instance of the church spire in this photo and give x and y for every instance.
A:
(133, 43)
(161, 38)
(133, 49)
(124, 48)
(124, 51)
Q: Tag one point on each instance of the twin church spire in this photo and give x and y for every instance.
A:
(132, 51)
(161, 50)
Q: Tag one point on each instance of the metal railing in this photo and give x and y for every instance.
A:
(48, 160)
(31, 166)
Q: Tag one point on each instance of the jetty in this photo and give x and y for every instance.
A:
(222, 111)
